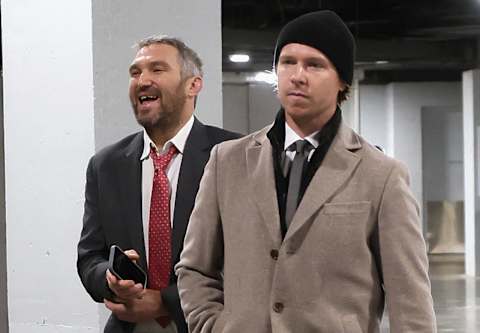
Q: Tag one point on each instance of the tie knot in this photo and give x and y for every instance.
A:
(301, 146)
(162, 161)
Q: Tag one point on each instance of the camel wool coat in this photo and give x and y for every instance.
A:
(354, 245)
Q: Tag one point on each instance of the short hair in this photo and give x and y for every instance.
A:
(190, 62)
(343, 95)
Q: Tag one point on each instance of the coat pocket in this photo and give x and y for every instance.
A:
(348, 222)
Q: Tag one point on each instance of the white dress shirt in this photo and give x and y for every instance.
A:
(291, 136)
(172, 171)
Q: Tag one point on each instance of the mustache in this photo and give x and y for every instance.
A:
(149, 91)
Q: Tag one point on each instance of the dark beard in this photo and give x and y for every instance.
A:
(170, 115)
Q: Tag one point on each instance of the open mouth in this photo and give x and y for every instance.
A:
(146, 99)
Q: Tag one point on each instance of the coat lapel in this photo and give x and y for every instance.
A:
(262, 183)
(337, 167)
(130, 171)
(195, 156)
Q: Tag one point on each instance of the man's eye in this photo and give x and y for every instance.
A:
(287, 62)
(158, 70)
(315, 65)
(134, 73)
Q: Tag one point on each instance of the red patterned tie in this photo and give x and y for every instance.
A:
(159, 228)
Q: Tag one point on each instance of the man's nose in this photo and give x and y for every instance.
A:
(144, 79)
(298, 75)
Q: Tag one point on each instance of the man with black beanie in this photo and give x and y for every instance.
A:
(304, 226)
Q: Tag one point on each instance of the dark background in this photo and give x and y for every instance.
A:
(421, 40)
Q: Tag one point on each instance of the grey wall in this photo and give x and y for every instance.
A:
(263, 105)
(247, 106)
(391, 116)
(235, 102)
(442, 151)
(406, 101)
(118, 25)
(373, 114)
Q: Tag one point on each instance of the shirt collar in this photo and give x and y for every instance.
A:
(178, 140)
(291, 136)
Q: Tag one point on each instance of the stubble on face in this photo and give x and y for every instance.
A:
(168, 114)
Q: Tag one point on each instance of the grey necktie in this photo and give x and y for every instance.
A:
(302, 149)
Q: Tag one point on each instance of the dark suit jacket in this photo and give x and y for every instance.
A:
(113, 212)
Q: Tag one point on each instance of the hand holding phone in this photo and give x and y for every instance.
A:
(124, 268)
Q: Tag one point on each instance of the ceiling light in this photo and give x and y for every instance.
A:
(239, 57)
(381, 62)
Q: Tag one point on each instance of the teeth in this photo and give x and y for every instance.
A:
(147, 98)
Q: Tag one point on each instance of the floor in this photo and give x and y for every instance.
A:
(456, 297)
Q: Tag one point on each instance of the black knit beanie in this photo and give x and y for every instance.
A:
(326, 32)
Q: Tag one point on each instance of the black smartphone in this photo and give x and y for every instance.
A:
(123, 268)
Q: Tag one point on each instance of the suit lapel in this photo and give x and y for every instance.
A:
(262, 184)
(195, 156)
(130, 171)
(335, 170)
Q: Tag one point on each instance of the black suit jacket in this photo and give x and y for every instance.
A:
(113, 212)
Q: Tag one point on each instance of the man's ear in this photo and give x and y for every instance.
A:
(194, 85)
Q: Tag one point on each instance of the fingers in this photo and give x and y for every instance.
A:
(140, 291)
(148, 308)
(132, 254)
(124, 289)
(121, 311)
(116, 284)
(115, 307)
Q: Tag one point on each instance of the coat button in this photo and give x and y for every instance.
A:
(278, 307)
(274, 254)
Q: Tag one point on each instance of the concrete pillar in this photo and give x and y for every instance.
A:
(49, 135)
(471, 147)
(65, 70)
